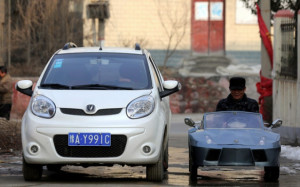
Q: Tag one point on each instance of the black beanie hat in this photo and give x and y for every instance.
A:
(237, 83)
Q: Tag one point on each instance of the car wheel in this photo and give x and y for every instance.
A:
(54, 167)
(166, 158)
(32, 172)
(271, 173)
(192, 168)
(155, 172)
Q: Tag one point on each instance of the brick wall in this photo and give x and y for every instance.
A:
(201, 94)
(20, 101)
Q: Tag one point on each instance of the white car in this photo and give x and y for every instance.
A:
(97, 106)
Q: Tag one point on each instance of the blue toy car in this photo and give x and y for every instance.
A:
(234, 138)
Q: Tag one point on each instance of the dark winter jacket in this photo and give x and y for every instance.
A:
(244, 104)
(6, 89)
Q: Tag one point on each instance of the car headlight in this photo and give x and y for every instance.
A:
(140, 107)
(43, 107)
(262, 141)
(208, 140)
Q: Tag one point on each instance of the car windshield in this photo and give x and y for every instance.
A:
(104, 71)
(232, 120)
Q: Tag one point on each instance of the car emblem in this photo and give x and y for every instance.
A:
(236, 141)
(90, 108)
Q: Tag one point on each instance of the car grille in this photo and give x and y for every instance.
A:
(101, 112)
(259, 155)
(213, 155)
(118, 143)
(231, 156)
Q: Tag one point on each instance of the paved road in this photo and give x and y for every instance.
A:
(177, 175)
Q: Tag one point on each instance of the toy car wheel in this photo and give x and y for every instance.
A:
(271, 173)
(192, 168)
(193, 173)
(32, 172)
(54, 167)
(155, 172)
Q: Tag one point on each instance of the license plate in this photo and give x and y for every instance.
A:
(89, 139)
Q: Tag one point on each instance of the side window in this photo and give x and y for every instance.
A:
(156, 74)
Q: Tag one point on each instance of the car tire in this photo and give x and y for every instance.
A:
(271, 173)
(155, 172)
(54, 167)
(166, 158)
(32, 172)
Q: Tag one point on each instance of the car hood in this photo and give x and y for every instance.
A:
(100, 98)
(239, 136)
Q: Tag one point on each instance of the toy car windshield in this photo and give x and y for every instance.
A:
(233, 120)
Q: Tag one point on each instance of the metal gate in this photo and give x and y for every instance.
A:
(288, 48)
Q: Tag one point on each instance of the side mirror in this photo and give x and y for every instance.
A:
(170, 87)
(276, 123)
(25, 87)
(189, 122)
(267, 125)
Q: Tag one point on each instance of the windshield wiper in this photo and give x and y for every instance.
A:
(55, 85)
(100, 87)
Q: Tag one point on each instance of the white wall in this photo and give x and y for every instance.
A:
(286, 91)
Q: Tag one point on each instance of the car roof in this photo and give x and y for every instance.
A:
(98, 50)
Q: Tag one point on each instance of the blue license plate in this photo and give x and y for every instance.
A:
(89, 139)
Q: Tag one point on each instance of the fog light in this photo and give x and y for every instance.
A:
(146, 149)
(34, 149)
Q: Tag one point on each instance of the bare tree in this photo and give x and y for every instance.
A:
(174, 21)
(130, 42)
(275, 5)
(40, 28)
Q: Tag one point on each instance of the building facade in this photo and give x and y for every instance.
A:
(145, 20)
(161, 25)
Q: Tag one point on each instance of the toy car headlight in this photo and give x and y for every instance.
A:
(262, 141)
(208, 140)
(140, 107)
(43, 107)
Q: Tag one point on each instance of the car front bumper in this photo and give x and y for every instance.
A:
(128, 138)
(230, 156)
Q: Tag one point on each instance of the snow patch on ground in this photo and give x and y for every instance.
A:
(289, 152)
(287, 170)
(238, 69)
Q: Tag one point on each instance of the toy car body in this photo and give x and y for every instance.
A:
(234, 138)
